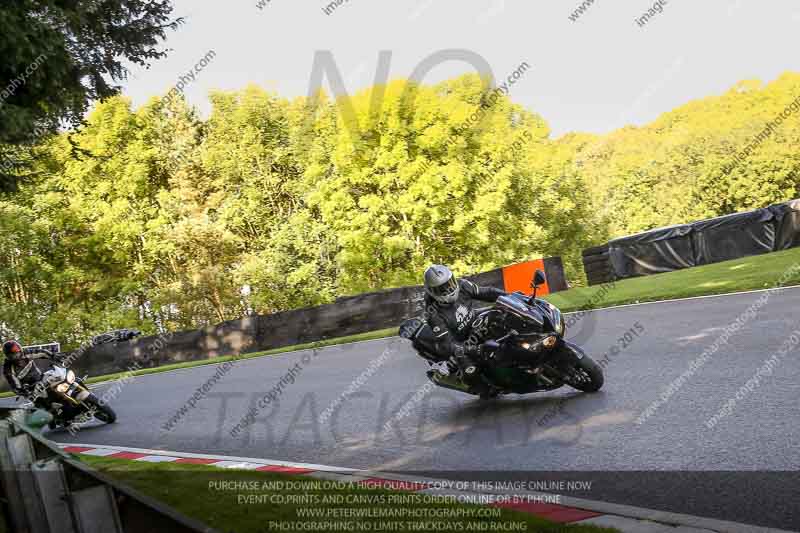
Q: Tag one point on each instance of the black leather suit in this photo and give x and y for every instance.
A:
(27, 370)
(451, 324)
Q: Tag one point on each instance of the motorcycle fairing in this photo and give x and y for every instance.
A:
(512, 304)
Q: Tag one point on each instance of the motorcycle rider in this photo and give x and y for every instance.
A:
(450, 311)
(24, 369)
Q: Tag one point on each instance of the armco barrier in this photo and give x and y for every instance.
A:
(43, 490)
(346, 316)
(770, 229)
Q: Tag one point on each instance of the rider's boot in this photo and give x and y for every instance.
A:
(470, 374)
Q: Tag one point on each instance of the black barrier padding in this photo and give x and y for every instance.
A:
(733, 236)
(593, 250)
(699, 243)
(652, 252)
(599, 279)
(493, 278)
(554, 270)
(787, 224)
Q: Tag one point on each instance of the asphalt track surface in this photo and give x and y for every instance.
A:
(744, 469)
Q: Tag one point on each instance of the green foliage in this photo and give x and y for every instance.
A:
(60, 56)
(684, 165)
(153, 218)
(419, 185)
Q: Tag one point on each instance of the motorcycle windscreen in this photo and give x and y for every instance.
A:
(520, 309)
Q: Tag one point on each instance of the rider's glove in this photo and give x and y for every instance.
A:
(458, 350)
(466, 353)
(473, 351)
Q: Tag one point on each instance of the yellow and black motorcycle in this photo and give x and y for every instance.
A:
(63, 394)
(70, 401)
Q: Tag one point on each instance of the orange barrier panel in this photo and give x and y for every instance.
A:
(518, 277)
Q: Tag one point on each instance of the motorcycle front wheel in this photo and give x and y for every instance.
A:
(580, 371)
(102, 412)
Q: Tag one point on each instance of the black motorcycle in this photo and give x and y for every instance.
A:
(523, 337)
(63, 394)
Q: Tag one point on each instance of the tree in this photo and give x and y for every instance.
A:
(59, 57)
(459, 177)
(174, 222)
(710, 157)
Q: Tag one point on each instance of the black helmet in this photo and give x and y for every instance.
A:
(441, 284)
(12, 350)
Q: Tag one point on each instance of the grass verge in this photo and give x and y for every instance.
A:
(746, 273)
(248, 501)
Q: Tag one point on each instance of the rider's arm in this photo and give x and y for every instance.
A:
(38, 353)
(11, 377)
(443, 344)
(440, 340)
(425, 341)
(485, 294)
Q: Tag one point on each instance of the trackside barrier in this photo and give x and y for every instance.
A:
(346, 316)
(44, 490)
(703, 242)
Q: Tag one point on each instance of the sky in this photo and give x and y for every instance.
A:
(602, 71)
